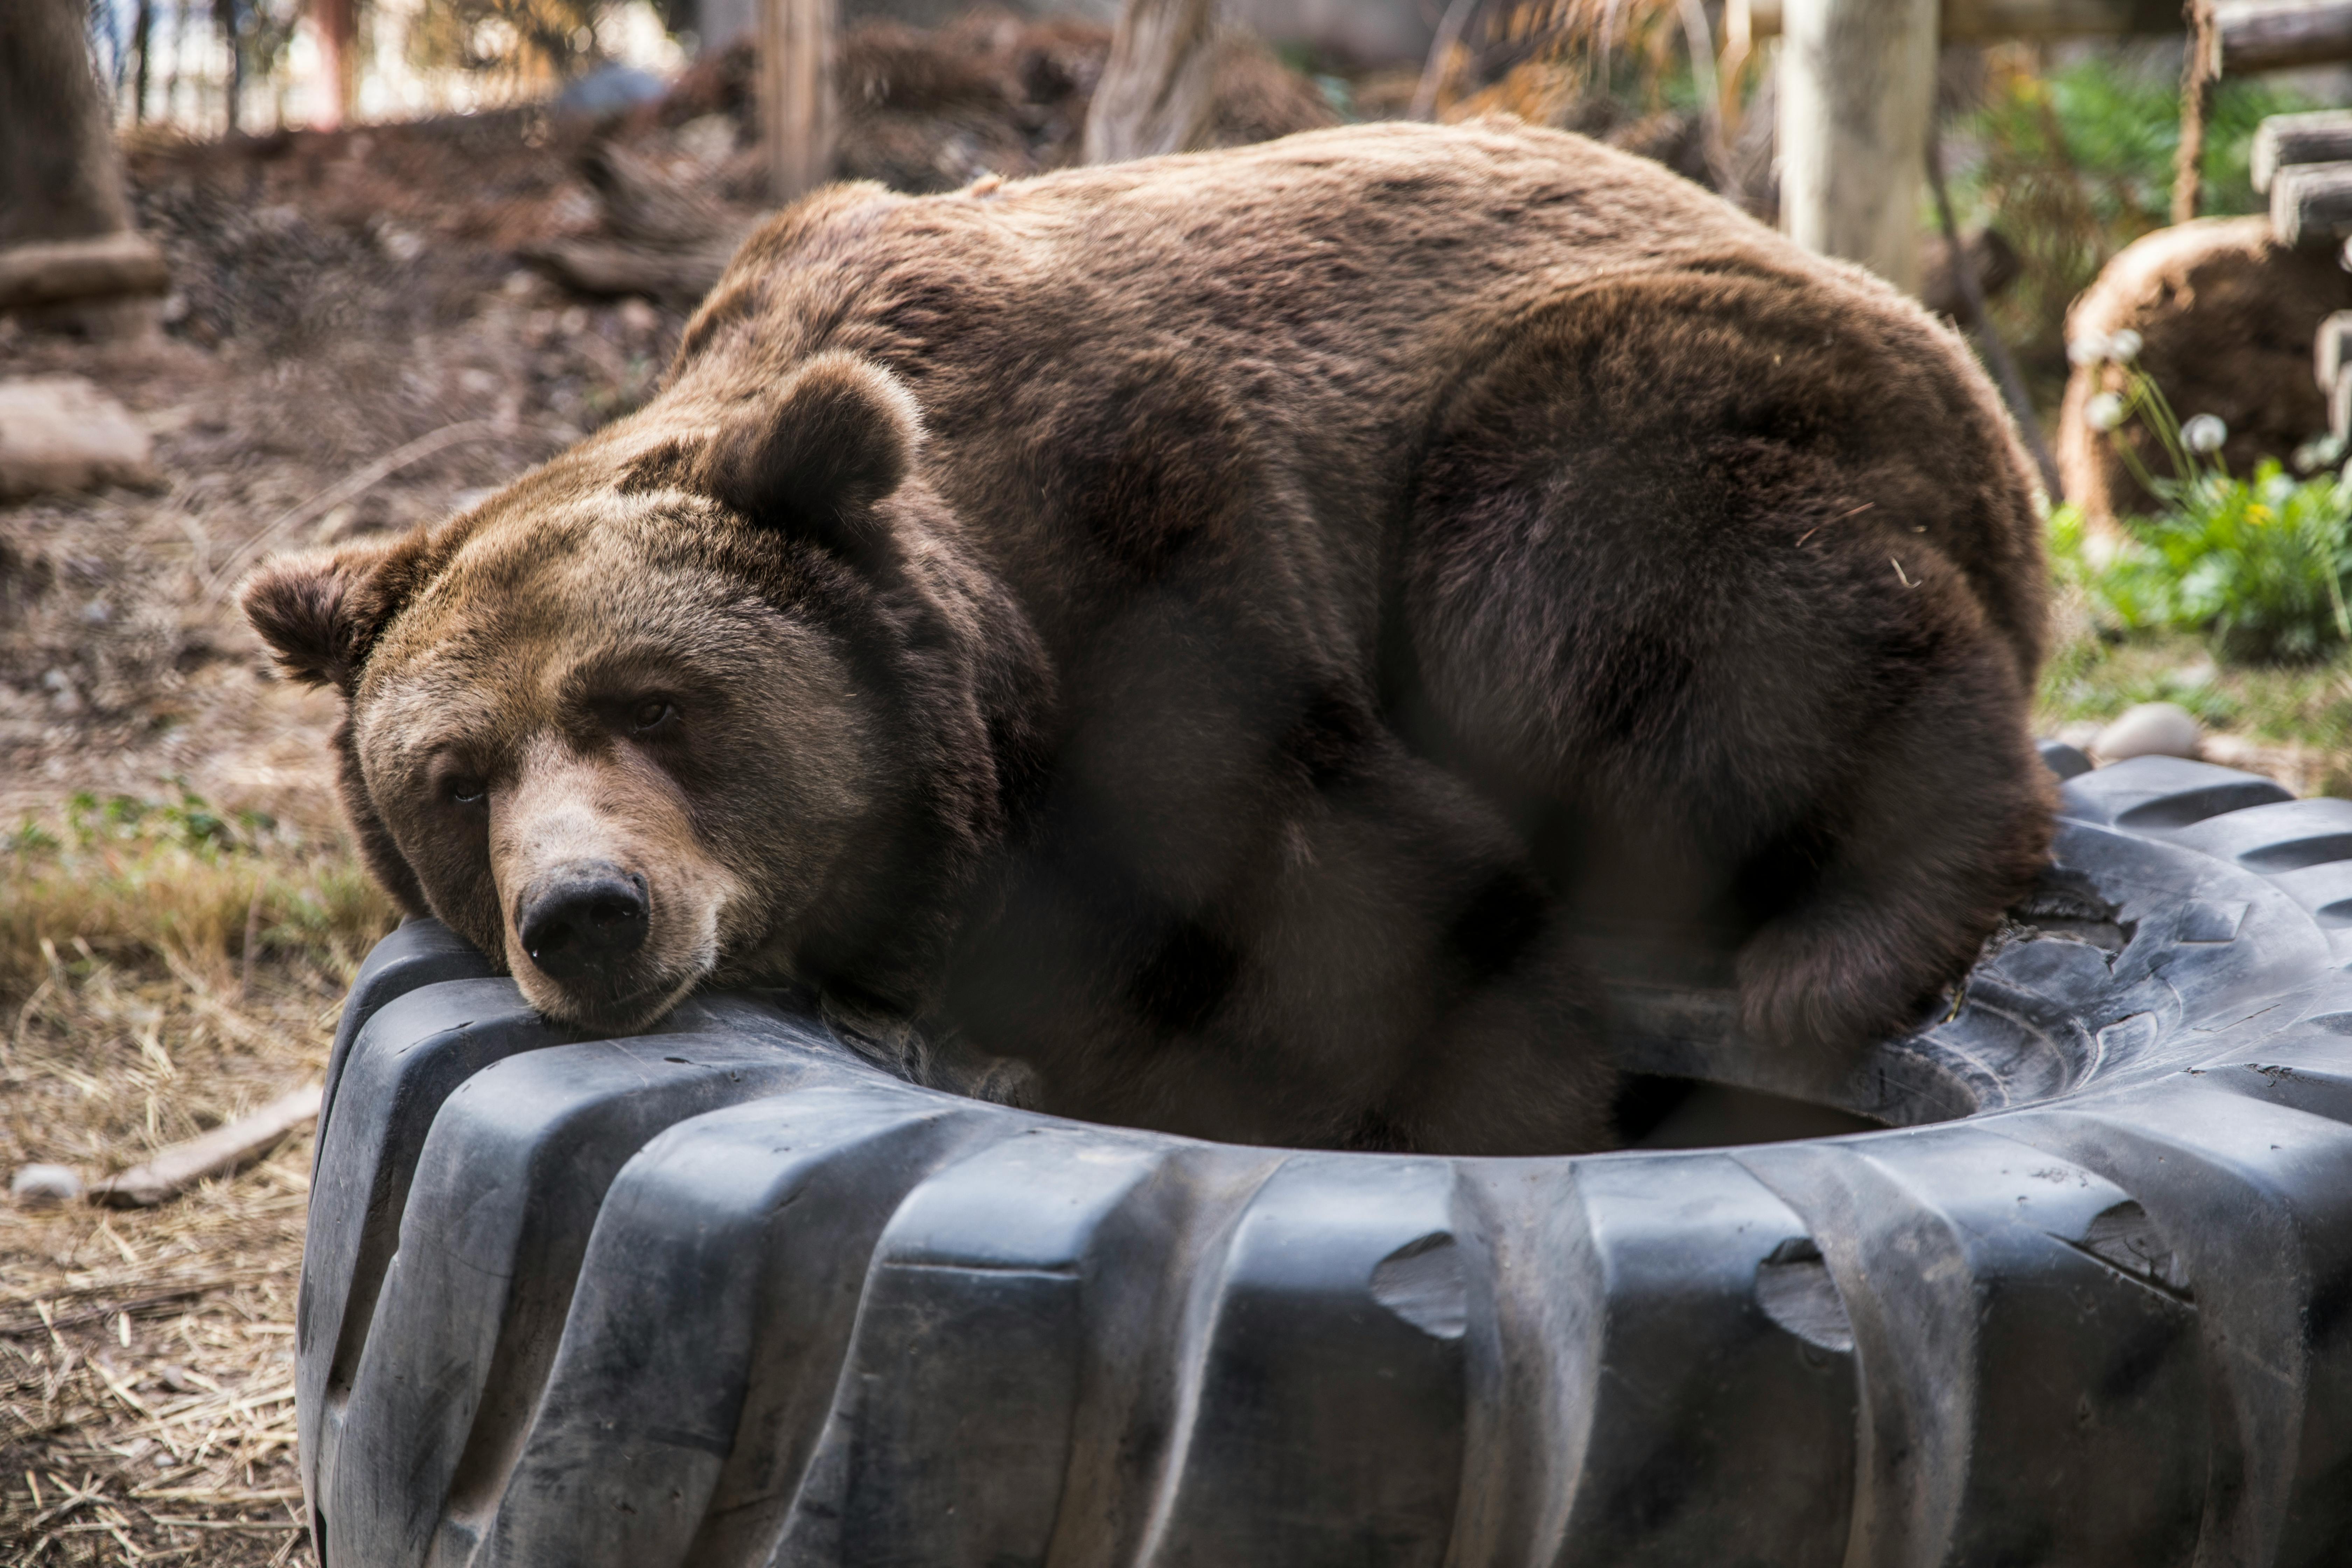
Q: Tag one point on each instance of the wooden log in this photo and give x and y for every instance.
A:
(798, 118)
(2331, 349)
(2311, 204)
(2339, 405)
(1989, 21)
(1158, 87)
(1857, 85)
(2323, 136)
(63, 271)
(2276, 34)
(607, 269)
(661, 239)
(226, 1148)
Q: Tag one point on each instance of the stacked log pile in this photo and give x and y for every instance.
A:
(2304, 163)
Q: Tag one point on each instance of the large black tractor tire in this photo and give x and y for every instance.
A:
(733, 1293)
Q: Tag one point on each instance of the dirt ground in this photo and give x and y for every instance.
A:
(352, 347)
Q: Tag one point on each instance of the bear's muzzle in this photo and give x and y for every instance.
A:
(582, 918)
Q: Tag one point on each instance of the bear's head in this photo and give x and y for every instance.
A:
(652, 715)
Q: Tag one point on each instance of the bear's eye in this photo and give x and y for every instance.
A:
(465, 789)
(652, 714)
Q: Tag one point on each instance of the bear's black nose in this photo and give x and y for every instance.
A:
(579, 917)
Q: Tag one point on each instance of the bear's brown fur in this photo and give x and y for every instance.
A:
(1226, 628)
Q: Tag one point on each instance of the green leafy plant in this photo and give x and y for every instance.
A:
(133, 879)
(2260, 561)
(191, 822)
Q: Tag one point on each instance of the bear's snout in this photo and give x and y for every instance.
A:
(580, 918)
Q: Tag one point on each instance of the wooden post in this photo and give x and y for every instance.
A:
(796, 102)
(1157, 88)
(1857, 86)
(2200, 69)
(335, 24)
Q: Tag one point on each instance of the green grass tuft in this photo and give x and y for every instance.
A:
(130, 880)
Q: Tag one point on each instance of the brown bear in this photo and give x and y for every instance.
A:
(1235, 631)
(2226, 315)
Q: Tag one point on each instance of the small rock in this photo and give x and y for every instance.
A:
(708, 139)
(637, 317)
(2082, 734)
(61, 433)
(2150, 729)
(2193, 677)
(45, 1186)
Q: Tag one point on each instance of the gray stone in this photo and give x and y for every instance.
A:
(45, 1186)
(61, 433)
(2152, 729)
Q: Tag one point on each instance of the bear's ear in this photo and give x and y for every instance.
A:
(320, 612)
(819, 452)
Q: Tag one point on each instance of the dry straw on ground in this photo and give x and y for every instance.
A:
(180, 911)
(154, 989)
(146, 1380)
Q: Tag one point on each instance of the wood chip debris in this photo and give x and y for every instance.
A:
(225, 1149)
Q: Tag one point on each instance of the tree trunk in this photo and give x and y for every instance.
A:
(1857, 84)
(142, 34)
(225, 14)
(60, 177)
(60, 173)
(796, 107)
(1158, 89)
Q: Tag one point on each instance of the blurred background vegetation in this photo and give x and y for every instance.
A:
(2071, 161)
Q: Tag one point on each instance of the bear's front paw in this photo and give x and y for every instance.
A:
(1007, 1080)
(1822, 990)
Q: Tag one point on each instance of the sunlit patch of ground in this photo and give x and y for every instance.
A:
(2291, 721)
